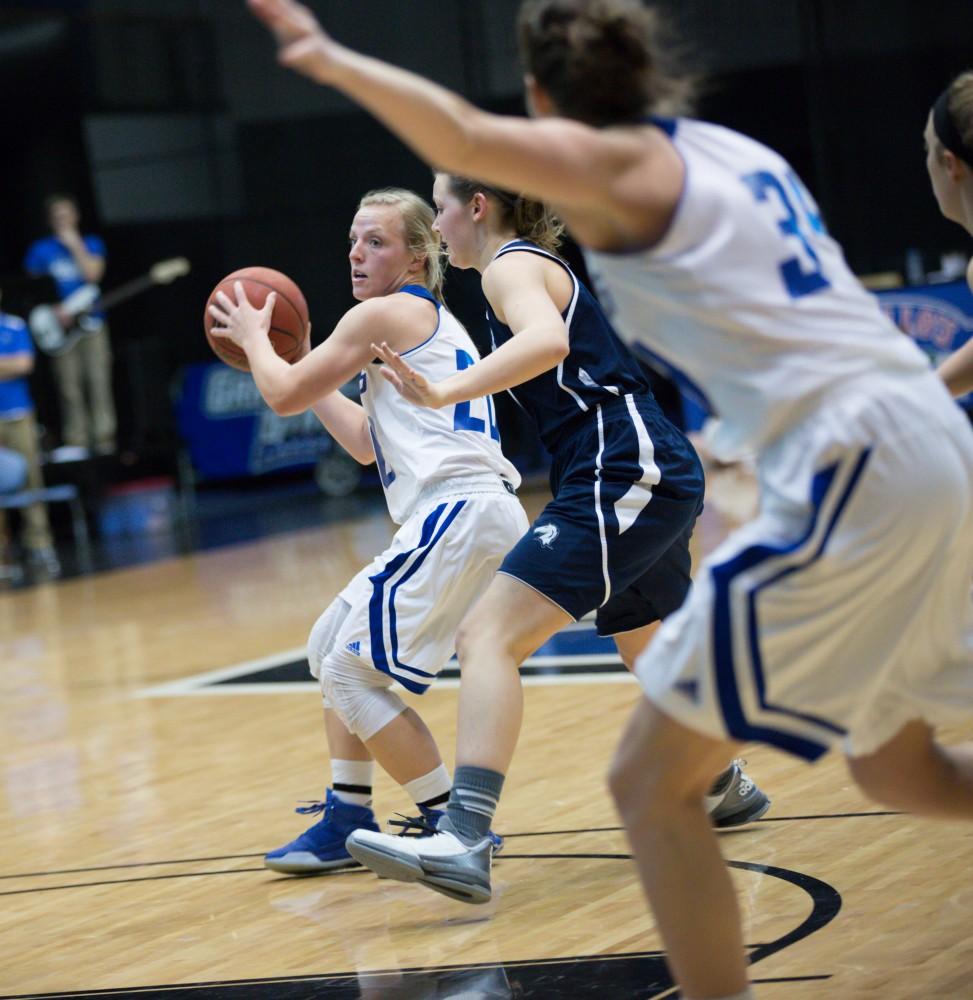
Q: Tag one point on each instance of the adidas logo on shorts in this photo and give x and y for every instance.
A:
(354, 647)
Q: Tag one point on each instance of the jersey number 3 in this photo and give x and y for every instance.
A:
(799, 217)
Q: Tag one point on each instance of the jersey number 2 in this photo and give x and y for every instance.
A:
(462, 419)
(799, 216)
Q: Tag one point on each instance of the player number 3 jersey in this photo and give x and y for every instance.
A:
(414, 445)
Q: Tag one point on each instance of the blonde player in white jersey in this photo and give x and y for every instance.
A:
(949, 159)
(840, 617)
(447, 484)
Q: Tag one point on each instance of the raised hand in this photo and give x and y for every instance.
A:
(304, 45)
(409, 383)
(240, 321)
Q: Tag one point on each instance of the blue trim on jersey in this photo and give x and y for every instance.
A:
(723, 576)
(405, 682)
(666, 123)
(420, 292)
(428, 537)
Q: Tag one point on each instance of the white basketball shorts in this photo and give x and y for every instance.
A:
(843, 611)
(406, 605)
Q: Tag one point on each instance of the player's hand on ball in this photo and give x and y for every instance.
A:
(303, 44)
(408, 382)
(240, 321)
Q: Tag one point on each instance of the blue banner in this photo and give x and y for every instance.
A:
(939, 318)
(231, 432)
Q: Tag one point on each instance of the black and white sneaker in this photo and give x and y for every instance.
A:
(734, 799)
(440, 861)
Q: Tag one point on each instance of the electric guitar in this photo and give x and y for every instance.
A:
(54, 339)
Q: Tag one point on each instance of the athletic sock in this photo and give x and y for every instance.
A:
(430, 790)
(473, 801)
(351, 781)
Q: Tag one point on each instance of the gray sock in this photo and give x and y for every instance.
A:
(473, 801)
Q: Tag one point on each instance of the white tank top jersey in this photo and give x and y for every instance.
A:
(414, 445)
(746, 294)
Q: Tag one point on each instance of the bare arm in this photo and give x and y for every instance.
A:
(345, 421)
(957, 370)
(16, 365)
(293, 388)
(517, 292)
(551, 159)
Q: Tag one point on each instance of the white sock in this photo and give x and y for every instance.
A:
(351, 781)
(431, 789)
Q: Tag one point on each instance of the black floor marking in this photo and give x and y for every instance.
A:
(296, 671)
(506, 836)
(642, 974)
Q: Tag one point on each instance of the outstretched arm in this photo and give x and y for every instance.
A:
(957, 370)
(518, 294)
(550, 159)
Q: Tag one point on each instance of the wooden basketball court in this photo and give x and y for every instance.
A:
(145, 773)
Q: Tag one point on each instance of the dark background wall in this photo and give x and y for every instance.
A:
(180, 135)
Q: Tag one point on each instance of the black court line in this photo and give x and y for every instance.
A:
(579, 977)
(506, 836)
(296, 671)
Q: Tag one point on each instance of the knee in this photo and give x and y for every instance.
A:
(640, 788)
(482, 637)
(364, 708)
(475, 634)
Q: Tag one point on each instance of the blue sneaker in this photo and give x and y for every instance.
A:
(321, 848)
(425, 825)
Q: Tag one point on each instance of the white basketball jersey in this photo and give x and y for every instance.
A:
(415, 445)
(746, 294)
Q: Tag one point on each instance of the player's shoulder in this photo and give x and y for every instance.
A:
(516, 266)
(396, 317)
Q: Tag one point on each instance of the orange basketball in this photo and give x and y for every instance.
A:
(288, 323)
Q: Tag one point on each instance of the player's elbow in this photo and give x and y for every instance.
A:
(284, 404)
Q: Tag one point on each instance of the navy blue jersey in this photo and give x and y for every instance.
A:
(598, 367)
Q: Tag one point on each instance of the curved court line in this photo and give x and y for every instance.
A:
(826, 903)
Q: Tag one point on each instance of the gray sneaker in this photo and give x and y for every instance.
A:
(440, 861)
(734, 800)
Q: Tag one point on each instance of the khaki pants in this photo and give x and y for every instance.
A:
(20, 435)
(83, 377)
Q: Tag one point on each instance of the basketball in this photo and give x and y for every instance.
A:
(288, 324)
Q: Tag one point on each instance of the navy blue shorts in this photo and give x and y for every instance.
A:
(627, 488)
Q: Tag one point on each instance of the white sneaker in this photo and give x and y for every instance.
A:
(440, 861)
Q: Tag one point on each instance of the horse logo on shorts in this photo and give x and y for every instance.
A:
(546, 533)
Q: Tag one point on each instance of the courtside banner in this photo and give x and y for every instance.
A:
(230, 431)
(939, 318)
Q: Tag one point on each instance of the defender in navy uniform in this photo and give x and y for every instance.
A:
(627, 488)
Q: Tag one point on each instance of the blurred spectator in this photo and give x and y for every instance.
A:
(83, 371)
(18, 432)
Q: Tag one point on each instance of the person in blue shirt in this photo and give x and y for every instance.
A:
(83, 371)
(18, 432)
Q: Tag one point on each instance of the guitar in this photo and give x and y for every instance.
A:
(54, 339)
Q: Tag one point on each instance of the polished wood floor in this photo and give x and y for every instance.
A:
(132, 828)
